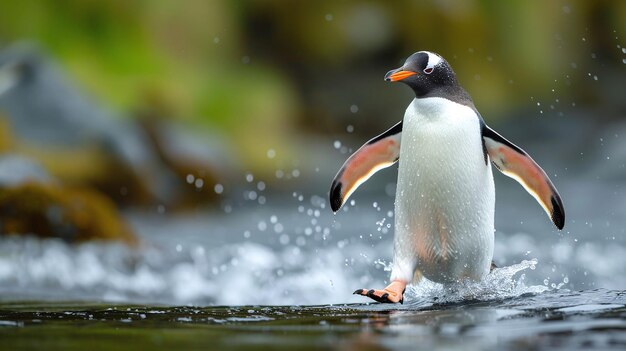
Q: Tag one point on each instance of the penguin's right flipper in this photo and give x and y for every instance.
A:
(378, 153)
(517, 164)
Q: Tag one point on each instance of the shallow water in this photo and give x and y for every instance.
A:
(556, 320)
(292, 251)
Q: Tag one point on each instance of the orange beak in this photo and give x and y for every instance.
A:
(398, 75)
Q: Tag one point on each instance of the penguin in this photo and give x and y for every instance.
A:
(445, 197)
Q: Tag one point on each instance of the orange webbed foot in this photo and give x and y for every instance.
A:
(393, 293)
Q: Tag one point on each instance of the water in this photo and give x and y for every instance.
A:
(293, 251)
(279, 254)
(551, 320)
(229, 275)
(237, 284)
(554, 290)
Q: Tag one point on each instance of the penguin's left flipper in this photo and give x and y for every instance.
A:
(517, 164)
(378, 153)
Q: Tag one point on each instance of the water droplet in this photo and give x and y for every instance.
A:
(252, 195)
(218, 188)
(190, 178)
(278, 228)
(199, 183)
(300, 241)
(262, 226)
(271, 153)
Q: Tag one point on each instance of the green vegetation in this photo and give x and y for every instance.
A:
(256, 71)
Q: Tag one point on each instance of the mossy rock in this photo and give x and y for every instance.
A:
(49, 210)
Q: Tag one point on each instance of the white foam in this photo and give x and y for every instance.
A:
(241, 273)
(498, 284)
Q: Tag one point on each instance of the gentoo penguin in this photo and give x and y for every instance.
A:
(445, 197)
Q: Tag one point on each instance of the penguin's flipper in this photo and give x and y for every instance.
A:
(517, 164)
(378, 153)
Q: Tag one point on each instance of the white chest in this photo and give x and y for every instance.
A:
(445, 196)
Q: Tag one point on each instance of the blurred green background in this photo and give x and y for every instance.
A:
(260, 71)
(288, 78)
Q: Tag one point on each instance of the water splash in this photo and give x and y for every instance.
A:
(500, 283)
(237, 274)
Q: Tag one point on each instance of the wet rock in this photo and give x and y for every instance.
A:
(33, 202)
(50, 210)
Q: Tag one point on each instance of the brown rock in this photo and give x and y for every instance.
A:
(53, 211)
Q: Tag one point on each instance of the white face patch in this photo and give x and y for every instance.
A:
(433, 60)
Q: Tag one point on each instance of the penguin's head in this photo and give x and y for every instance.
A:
(424, 71)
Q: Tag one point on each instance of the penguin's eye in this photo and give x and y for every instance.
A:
(428, 70)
